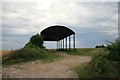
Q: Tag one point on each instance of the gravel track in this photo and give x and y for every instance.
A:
(59, 69)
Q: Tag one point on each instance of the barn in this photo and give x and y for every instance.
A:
(62, 35)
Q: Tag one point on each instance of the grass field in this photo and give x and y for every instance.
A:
(81, 51)
(85, 51)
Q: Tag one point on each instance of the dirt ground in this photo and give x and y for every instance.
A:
(59, 69)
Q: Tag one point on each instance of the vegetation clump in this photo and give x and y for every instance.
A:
(100, 46)
(103, 65)
(36, 41)
(114, 51)
(33, 50)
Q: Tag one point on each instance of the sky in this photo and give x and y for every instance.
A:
(93, 22)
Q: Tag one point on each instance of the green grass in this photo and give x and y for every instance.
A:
(29, 54)
(85, 51)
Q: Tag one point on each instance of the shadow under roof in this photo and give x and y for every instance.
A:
(56, 33)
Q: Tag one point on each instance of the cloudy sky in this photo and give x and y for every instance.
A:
(93, 22)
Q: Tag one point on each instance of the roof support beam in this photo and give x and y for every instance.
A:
(63, 43)
(69, 43)
(74, 41)
(57, 45)
(66, 43)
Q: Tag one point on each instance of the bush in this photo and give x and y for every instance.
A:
(114, 51)
(35, 41)
(105, 64)
(100, 66)
(28, 54)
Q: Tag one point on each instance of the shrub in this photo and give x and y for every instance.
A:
(35, 41)
(105, 64)
(100, 66)
(114, 51)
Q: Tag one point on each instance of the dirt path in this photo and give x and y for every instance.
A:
(57, 69)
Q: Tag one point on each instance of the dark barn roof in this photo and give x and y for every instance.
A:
(56, 33)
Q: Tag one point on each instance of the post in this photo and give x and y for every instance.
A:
(69, 43)
(60, 45)
(63, 43)
(57, 45)
(74, 41)
(66, 43)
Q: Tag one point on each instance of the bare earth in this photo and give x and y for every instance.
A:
(59, 69)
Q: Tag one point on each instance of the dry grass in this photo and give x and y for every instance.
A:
(4, 52)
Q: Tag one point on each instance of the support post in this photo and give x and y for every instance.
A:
(69, 43)
(57, 45)
(60, 45)
(63, 43)
(74, 41)
(66, 43)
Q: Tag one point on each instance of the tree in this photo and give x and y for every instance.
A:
(100, 46)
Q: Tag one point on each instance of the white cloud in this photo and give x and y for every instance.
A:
(22, 18)
(60, 0)
(43, 14)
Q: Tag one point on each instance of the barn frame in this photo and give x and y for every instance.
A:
(59, 34)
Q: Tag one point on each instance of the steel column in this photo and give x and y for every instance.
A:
(69, 43)
(63, 43)
(74, 41)
(57, 45)
(66, 43)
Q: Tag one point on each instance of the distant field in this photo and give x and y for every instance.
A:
(4, 52)
(86, 51)
(82, 51)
